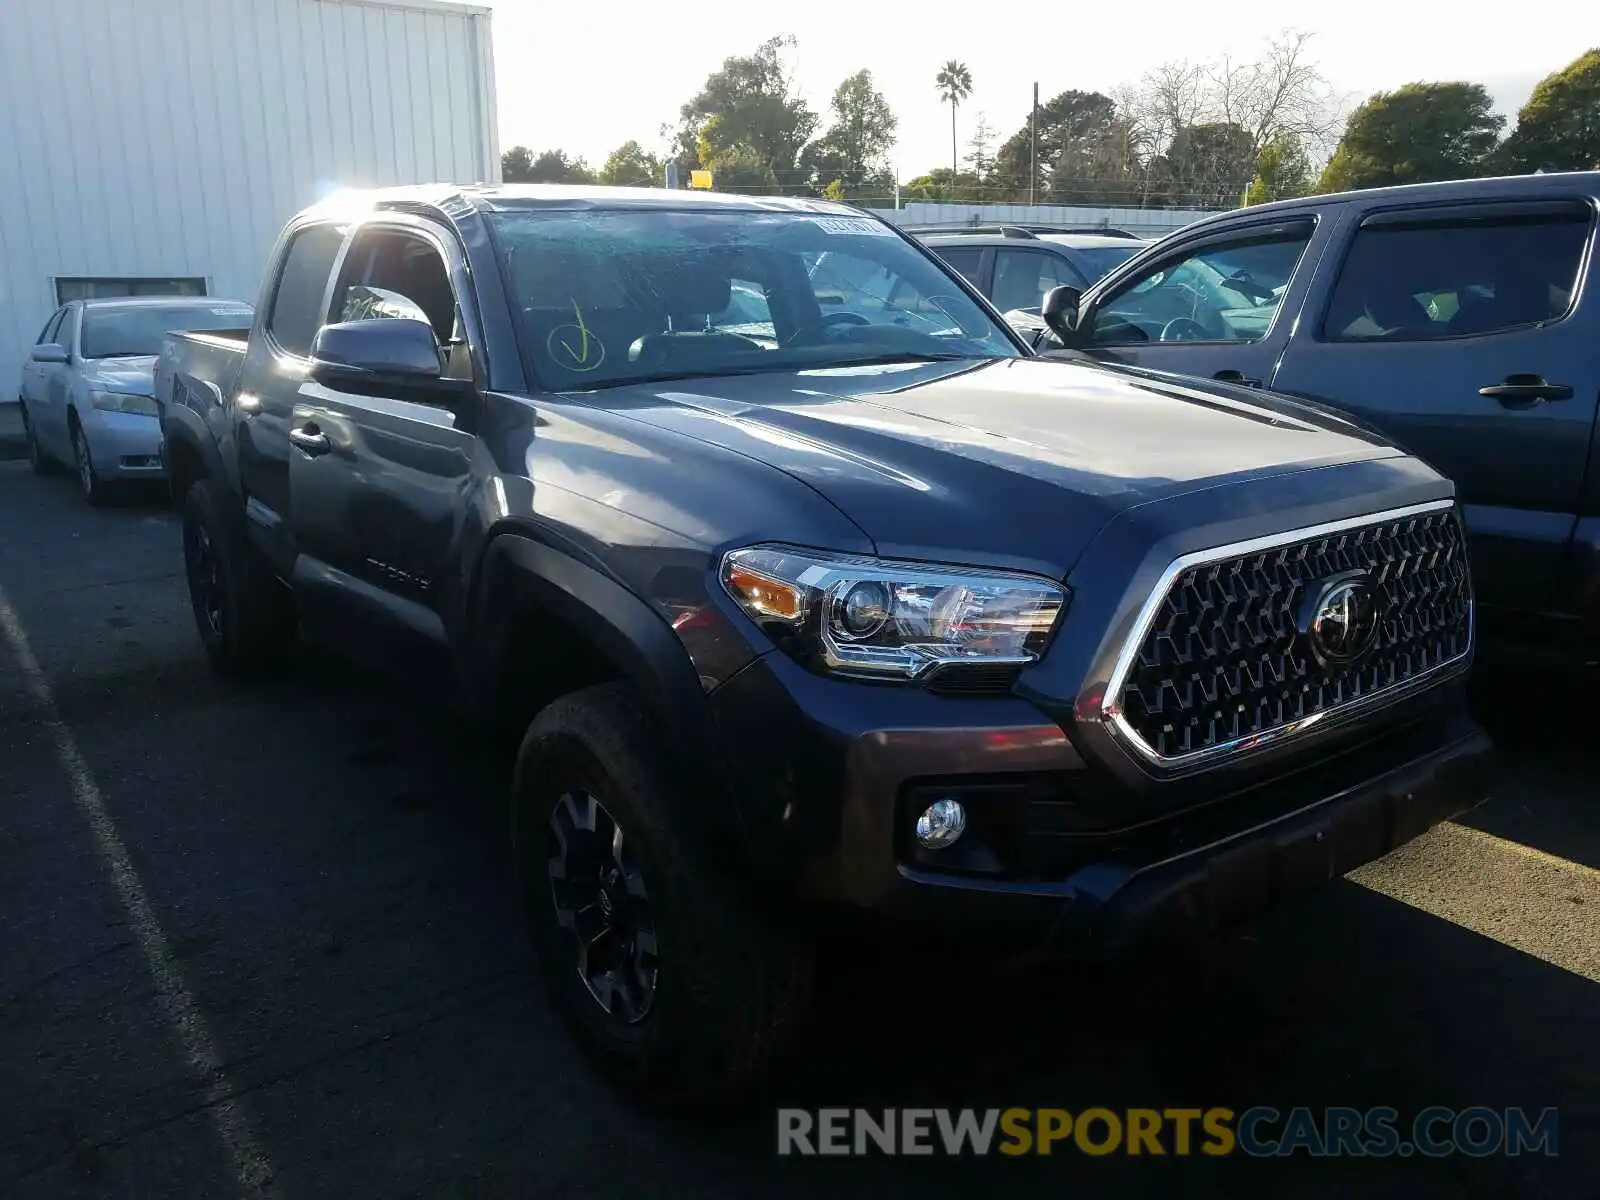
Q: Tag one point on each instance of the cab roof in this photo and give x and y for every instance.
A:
(450, 200)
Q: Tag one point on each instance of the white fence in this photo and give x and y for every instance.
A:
(1143, 222)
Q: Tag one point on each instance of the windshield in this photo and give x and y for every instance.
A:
(138, 331)
(1096, 262)
(603, 298)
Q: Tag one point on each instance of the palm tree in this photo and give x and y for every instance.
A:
(954, 82)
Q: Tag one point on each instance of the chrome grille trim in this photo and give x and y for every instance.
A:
(1111, 709)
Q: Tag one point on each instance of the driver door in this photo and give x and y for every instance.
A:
(1220, 305)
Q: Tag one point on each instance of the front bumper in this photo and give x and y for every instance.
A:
(829, 777)
(123, 445)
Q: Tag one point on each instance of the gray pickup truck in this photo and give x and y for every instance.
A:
(1461, 320)
(798, 601)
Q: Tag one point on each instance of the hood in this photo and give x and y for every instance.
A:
(1018, 461)
(134, 374)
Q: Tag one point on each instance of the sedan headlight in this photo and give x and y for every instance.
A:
(124, 402)
(880, 619)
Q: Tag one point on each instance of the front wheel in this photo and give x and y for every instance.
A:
(243, 615)
(681, 989)
(37, 458)
(89, 482)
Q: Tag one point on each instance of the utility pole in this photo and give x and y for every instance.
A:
(1033, 144)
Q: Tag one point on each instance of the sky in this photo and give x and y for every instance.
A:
(588, 76)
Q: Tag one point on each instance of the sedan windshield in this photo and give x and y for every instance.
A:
(610, 297)
(137, 330)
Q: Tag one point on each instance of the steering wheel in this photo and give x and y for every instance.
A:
(1183, 329)
(804, 333)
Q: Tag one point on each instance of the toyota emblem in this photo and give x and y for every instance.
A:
(1341, 622)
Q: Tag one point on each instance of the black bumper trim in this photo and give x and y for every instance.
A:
(1110, 907)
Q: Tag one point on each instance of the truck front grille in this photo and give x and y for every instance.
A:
(1252, 642)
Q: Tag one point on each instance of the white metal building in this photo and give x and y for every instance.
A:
(159, 145)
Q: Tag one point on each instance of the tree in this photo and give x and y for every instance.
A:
(520, 165)
(980, 147)
(1081, 151)
(855, 150)
(741, 169)
(1558, 128)
(749, 105)
(1280, 94)
(516, 164)
(954, 82)
(631, 165)
(1282, 171)
(1416, 134)
(1209, 165)
(938, 185)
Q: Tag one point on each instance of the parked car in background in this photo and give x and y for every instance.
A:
(799, 605)
(1014, 265)
(88, 385)
(1461, 319)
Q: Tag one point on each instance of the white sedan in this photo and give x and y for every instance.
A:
(87, 385)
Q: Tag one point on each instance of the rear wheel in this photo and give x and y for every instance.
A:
(89, 482)
(679, 987)
(244, 616)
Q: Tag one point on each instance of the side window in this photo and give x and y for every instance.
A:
(1220, 292)
(392, 273)
(1419, 280)
(65, 330)
(296, 314)
(967, 260)
(747, 308)
(48, 333)
(848, 283)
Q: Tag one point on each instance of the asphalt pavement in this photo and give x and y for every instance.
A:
(262, 940)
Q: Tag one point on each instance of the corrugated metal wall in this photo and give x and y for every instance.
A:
(174, 137)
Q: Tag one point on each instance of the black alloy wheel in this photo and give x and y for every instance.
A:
(599, 897)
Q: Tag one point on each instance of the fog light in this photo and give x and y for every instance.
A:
(941, 824)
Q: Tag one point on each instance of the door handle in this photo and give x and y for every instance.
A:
(1525, 391)
(1229, 375)
(311, 440)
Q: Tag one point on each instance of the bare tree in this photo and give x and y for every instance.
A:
(1170, 98)
(1282, 94)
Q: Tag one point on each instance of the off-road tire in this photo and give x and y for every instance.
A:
(734, 981)
(255, 626)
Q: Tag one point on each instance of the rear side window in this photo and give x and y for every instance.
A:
(296, 313)
(965, 259)
(1420, 280)
(1022, 277)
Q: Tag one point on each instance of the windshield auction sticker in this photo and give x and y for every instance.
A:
(852, 226)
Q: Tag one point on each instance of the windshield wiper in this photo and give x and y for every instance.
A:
(670, 376)
(776, 369)
(903, 356)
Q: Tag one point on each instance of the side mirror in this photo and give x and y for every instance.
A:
(49, 352)
(1060, 312)
(381, 354)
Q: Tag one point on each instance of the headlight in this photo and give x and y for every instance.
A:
(877, 619)
(124, 402)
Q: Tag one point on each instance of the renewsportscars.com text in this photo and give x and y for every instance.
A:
(1259, 1132)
